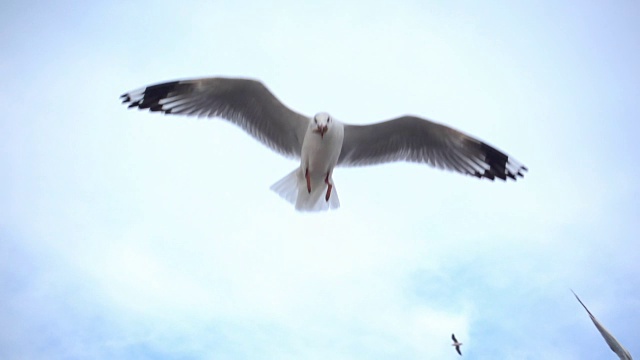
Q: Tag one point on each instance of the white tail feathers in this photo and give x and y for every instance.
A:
(293, 188)
(287, 187)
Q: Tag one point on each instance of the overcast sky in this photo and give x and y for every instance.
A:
(125, 234)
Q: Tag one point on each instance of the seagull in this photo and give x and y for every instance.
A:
(615, 346)
(456, 344)
(322, 142)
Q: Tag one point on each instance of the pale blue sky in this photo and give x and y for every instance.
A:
(125, 234)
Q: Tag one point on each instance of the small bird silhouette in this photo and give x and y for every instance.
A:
(456, 343)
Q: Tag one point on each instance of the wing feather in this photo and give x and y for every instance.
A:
(613, 343)
(244, 102)
(414, 139)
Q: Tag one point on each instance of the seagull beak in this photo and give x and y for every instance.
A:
(321, 129)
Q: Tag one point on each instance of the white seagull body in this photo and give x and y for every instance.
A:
(322, 143)
(456, 344)
(615, 346)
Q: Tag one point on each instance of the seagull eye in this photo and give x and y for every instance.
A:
(329, 120)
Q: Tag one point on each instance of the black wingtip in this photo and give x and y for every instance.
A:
(134, 104)
(151, 96)
(497, 162)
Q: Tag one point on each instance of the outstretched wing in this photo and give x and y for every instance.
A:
(244, 102)
(414, 139)
(613, 343)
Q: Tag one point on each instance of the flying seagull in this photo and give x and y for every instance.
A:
(322, 142)
(456, 344)
(615, 346)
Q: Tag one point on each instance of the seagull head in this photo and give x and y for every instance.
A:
(321, 121)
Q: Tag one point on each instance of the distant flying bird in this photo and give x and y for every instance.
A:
(456, 344)
(322, 142)
(615, 346)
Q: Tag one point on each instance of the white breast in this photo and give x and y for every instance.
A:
(320, 154)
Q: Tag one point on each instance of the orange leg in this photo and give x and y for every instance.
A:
(329, 187)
